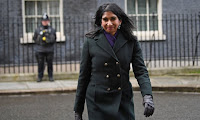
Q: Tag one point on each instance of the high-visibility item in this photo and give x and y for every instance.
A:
(44, 38)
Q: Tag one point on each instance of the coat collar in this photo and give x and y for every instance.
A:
(104, 44)
(119, 42)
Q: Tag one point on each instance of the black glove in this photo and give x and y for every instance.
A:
(148, 105)
(78, 116)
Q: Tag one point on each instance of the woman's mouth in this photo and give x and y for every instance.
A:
(109, 28)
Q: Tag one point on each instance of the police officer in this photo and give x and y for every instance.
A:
(44, 37)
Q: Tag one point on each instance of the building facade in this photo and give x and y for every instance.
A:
(167, 29)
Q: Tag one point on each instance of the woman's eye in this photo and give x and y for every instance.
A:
(105, 19)
(113, 18)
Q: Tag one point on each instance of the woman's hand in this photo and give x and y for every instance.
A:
(78, 116)
(148, 105)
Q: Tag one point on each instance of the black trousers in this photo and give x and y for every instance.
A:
(41, 58)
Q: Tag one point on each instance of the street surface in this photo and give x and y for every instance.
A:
(169, 106)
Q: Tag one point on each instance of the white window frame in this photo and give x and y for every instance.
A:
(28, 37)
(150, 34)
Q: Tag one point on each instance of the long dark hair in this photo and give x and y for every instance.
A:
(127, 25)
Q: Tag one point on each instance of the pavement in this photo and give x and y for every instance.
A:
(159, 83)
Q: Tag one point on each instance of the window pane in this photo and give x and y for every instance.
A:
(55, 23)
(39, 22)
(152, 6)
(133, 18)
(153, 22)
(131, 6)
(142, 23)
(141, 6)
(41, 7)
(29, 8)
(54, 7)
(30, 25)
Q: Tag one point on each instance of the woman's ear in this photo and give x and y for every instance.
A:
(120, 22)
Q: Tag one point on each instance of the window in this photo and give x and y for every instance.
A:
(147, 15)
(32, 14)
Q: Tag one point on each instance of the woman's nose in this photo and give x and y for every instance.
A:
(109, 23)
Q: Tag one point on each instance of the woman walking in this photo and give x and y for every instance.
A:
(103, 81)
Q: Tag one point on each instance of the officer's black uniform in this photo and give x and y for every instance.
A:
(44, 37)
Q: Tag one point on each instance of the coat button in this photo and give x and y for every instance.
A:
(107, 76)
(108, 89)
(105, 64)
(118, 75)
(117, 63)
(119, 88)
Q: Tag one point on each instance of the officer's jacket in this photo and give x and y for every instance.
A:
(49, 34)
(104, 75)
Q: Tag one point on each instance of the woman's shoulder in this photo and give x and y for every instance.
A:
(134, 38)
(129, 37)
(94, 33)
(93, 36)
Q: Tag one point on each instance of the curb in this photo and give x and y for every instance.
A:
(71, 90)
(177, 89)
(37, 91)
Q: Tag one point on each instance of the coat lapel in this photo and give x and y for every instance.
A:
(104, 44)
(119, 42)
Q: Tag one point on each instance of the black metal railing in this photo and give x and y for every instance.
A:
(170, 40)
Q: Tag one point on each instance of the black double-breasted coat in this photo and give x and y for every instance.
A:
(104, 78)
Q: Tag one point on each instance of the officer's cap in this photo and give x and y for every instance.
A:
(45, 17)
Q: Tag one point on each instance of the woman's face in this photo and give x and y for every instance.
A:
(110, 22)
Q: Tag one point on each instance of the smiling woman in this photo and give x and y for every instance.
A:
(104, 70)
(110, 22)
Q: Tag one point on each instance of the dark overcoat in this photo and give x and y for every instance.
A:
(104, 78)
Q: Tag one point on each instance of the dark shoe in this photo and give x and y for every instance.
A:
(51, 79)
(39, 80)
